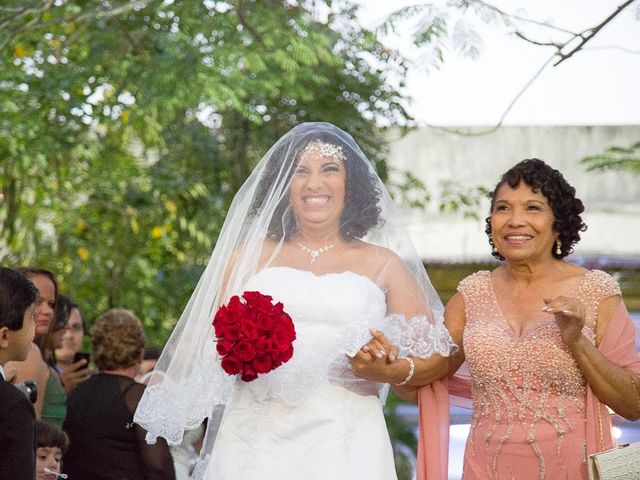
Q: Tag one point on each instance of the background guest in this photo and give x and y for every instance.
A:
(67, 340)
(105, 443)
(151, 356)
(50, 404)
(51, 444)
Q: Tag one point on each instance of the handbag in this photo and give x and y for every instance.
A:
(621, 463)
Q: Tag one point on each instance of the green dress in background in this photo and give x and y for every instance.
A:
(54, 409)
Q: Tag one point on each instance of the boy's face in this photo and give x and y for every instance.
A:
(49, 458)
(19, 341)
(24, 337)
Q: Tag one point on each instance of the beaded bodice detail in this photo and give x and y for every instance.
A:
(525, 386)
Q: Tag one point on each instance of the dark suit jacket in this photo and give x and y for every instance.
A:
(17, 434)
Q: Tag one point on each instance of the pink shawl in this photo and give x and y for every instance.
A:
(618, 345)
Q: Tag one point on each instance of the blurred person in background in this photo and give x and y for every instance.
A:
(105, 443)
(67, 340)
(151, 356)
(50, 404)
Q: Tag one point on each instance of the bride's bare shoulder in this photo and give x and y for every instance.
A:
(376, 256)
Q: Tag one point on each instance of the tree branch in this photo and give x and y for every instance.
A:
(25, 12)
(507, 110)
(106, 13)
(593, 31)
(243, 21)
(542, 44)
(523, 19)
(585, 36)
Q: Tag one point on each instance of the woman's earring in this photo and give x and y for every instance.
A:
(558, 247)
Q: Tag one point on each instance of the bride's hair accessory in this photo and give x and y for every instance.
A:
(315, 253)
(325, 150)
(412, 367)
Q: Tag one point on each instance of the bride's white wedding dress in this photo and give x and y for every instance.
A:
(311, 418)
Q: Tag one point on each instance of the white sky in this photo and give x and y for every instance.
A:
(594, 87)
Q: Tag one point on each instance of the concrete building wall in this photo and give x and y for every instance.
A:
(612, 199)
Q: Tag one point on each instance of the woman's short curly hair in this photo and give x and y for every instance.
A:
(361, 210)
(561, 196)
(117, 340)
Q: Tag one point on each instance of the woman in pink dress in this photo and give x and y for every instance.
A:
(547, 343)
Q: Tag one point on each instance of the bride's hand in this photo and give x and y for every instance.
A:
(377, 360)
(380, 347)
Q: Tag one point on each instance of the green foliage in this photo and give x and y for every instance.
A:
(438, 29)
(127, 127)
(466, 201)
(616, 158)
(403, 437)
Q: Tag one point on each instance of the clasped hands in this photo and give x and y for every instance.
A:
(377, 361)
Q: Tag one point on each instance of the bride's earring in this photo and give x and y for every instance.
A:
(558, 247)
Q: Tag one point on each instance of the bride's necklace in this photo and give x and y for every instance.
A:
(314, 253)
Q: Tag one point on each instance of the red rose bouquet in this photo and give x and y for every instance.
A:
(254, 336)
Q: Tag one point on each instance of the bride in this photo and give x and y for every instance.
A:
(314, 228)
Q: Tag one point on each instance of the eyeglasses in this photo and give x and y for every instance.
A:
(66, 326)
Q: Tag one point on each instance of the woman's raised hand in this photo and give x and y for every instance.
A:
(569, 315)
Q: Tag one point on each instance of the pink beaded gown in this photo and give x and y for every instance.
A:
(528, 394)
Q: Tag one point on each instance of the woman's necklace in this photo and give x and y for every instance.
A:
(315, 253)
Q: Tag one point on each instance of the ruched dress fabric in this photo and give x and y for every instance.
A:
(310, 418)
(528, 393)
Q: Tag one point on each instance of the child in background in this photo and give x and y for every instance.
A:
(51, 444)
(17, 328)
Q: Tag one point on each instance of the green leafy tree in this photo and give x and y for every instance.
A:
(616, 158)
(127, 127)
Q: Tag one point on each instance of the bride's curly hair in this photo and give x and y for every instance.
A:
(566, 208)
(361, 210)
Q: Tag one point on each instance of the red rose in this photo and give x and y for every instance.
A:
(265, 323)
(236, 307)
(281, 338)
(232, 332)
(264, 345)
(224, 346)
(245, 350)
(248, 373)
(287, 325)
(249, 329)
(265, 306)
(283, 356)
(220, 321)
(231, 364)
(251, 297)
(262, 363)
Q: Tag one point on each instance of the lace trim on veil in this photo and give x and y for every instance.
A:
(166, 411)
(418, 336)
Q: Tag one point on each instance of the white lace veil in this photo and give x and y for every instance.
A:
(188, 384)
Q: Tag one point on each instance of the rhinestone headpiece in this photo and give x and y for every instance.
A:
(325, 149)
